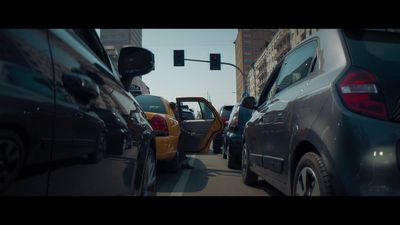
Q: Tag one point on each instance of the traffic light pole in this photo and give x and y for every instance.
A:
(230, 64)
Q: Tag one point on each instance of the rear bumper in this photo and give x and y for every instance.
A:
(166, 147)
(364, 154)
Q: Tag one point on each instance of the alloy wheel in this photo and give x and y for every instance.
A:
(307, 183)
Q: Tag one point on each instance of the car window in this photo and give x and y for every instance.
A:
(151, 104)
(226, 111)
(270, 83)
(188, 115)
(296, 65)
(206, 111)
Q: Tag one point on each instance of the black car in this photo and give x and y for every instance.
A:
(224, 113)
(62, 102)
(327, 120)
(233, 135)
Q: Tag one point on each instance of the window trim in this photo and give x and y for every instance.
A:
(94, 45)
(270, 82)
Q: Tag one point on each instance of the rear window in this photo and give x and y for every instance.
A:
(378, 51)
(151, 104)
(365, 45)
(226, 111)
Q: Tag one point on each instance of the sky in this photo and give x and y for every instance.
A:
(195, 79)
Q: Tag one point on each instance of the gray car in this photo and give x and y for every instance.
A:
(327, 120)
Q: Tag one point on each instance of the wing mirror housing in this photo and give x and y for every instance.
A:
(248, 102)
(133, 62)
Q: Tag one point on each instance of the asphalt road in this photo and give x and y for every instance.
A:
(210, 176)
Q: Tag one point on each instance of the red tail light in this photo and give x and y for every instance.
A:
(360, 93)
(159, 125)
(225, 121)
(235, 121)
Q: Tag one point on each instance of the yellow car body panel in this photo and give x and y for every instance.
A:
(166, 147)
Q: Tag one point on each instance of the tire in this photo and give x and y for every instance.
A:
(224, 156)
(216, 148)
(233, 163)
(149, 175)
(174, 165)
(311, 170)
(11, 157)
(249, 177)
(97, 156)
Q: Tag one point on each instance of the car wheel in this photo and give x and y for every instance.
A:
(11, 157)
(232, 162)
(101, 147)
(216, 148)
(311, 177)
(224, 149)
(249, 177)
(175, 164)
(149, 175)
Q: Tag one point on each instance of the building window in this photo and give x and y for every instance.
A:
(247, 53)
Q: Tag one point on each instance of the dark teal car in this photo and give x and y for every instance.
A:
(233, 134)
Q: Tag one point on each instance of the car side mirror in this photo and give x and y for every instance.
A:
(134, 61)
(248, 102)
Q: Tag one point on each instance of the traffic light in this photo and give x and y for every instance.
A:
(179, 58)
(215, 61)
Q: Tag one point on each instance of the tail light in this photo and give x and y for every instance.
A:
(159, 125)
(225, 121)
(235, 121)
(360, 93)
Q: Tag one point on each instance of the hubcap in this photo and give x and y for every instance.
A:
(307, 183)
(9, 157)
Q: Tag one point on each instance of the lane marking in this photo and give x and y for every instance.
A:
(180, 186)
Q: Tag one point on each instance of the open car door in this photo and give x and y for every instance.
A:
(199, 122)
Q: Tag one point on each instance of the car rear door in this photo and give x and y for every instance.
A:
(197, 134)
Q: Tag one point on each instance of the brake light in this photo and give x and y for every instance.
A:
(235, 121)
(159, 125)
(225, 121)
(359, 91)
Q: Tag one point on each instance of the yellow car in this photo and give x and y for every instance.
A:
(192, 133)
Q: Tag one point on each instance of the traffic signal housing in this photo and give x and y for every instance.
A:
(179, 58)
(215, 61)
